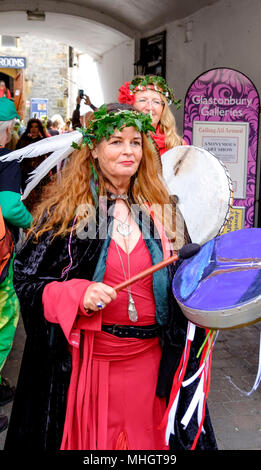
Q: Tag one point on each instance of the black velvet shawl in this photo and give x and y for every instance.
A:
(39, 406)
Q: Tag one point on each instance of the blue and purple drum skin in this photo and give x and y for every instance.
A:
(220, 286)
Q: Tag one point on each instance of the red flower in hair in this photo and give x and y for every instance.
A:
(125, 95)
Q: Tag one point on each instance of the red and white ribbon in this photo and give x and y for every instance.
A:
(200, 396)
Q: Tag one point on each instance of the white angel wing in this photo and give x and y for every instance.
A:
(44, 146)
(59, 147)
(43, 169)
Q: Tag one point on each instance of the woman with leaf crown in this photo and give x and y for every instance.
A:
(151, 94)
(94, 374)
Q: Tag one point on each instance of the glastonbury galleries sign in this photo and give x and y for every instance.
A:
(12, 62)
(222, 115)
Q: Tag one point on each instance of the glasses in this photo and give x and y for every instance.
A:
(155, 103)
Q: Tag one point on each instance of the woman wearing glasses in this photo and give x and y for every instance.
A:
(151, 94)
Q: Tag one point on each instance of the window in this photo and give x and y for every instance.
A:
(152, 55)
(9, 41)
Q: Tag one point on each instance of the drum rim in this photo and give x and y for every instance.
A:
(213, 319)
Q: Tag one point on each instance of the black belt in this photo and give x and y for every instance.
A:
(124, 331)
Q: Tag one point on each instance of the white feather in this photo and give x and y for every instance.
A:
(59, 147)
(59, 154)
(44, 146)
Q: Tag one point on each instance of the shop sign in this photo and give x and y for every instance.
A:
(222, 115)
(235, 221)
(12, 62)
(39, 108)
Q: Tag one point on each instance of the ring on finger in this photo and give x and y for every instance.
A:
(100, 305)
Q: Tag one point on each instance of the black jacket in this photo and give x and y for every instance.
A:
(40, 402)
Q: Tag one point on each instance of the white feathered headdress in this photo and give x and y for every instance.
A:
(59, 147)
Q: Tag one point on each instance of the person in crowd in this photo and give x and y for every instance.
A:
(49, 125)
(77, 120)
(11, 145)
(67, 126)
(60, 120)
(152, 94)
(34, 132)
(4, 92)
(97, 368)
(52, 127)
(15, 216)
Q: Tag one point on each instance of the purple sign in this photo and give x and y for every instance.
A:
(227, 102)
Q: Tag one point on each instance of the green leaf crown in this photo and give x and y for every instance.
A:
(159, 84)
(104, 124)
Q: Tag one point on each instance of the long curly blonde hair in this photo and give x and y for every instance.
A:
(72, 188)
(168, 126)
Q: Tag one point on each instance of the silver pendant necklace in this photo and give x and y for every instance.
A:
(132, 312)
(123, 228)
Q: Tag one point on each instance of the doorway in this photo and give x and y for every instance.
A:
(9, 82)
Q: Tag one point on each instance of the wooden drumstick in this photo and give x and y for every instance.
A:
(146, 272)
(185, 252)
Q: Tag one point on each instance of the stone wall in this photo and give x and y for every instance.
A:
(46, 72)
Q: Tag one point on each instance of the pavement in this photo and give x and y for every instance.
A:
(236, 418)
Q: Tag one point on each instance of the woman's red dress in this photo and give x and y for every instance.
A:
(112, 402)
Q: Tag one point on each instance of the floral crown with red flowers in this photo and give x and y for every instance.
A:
(148, 82)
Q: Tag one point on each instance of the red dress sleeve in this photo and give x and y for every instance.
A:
(63, 304)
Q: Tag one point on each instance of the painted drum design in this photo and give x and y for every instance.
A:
(220, 287)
